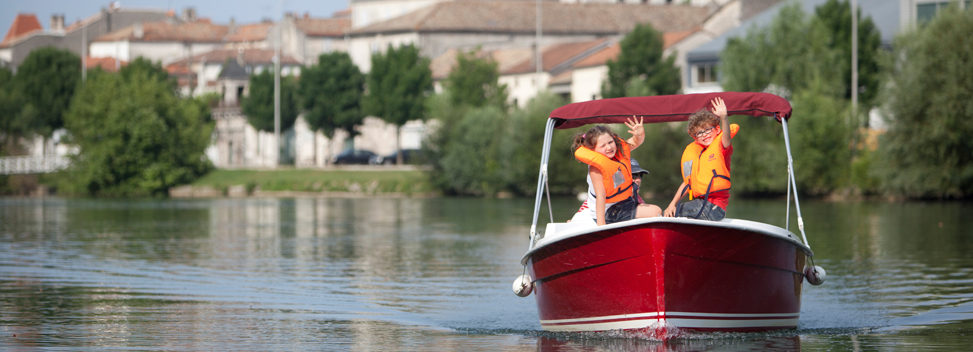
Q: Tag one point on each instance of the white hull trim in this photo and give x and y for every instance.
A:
(690, 320)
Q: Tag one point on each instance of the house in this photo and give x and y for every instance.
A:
(249, 36)
(912, 12)
(491, 25)
(25, 34)
(199, 73)
(161, 41)
(311, 37)
(107, 64)
(703, 61)
(575, 70)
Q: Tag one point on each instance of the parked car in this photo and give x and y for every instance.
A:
(409, 156)
(354, 156)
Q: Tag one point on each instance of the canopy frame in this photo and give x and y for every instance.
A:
(669, 108)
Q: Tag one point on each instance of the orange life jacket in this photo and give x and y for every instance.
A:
(704, 169)
(616, 175)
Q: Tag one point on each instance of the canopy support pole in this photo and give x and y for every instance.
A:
(792, 183)
(542, 180)
(787, 216)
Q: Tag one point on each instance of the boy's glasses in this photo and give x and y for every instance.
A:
(705, 132)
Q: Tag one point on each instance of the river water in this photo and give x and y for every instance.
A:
(431, 274)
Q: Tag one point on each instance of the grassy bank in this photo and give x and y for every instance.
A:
(302, 180)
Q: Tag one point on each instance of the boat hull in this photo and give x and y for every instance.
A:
(662, 274)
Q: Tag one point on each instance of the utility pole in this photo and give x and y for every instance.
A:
(537, 47)
(84, 52)
(854, 60)
(277, 40)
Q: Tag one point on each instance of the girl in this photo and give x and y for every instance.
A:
(610, 173)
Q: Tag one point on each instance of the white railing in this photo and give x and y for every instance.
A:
(10, 165)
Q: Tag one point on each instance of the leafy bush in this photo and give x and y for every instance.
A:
(821, 135)
(136, 137)
(522, 147)
(926, 152)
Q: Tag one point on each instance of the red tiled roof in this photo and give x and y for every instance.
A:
(250, 32)
(324, 27)
(106, 63)
(611, 52)
(197, 32)
(250, 56)
(346, 13)
(600, 57)
(442, 65)
(559, 18)
(670, 38)
(552, 56)
(24, 24)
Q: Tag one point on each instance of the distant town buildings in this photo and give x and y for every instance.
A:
(578, 38)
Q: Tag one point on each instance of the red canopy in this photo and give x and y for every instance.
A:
(667, 108)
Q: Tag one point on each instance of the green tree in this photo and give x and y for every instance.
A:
(926, 151)
(767, 59)
(820, 135)
(259, 104)
(835, 17)
(474, 81)
(769, 55)
(521, 145)
(142, 65)
(47, 80)
(135, 136)
(331, 93)
(11, 102)
(398, 84)
(443, 116)
(640, 62)
(472, 162)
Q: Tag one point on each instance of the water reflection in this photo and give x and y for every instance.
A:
(423, 274)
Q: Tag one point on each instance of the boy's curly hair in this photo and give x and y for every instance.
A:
(702, 120)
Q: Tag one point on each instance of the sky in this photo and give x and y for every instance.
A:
(243, 11)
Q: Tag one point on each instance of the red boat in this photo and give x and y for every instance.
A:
(653, 275)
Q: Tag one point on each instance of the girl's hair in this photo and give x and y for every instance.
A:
(702, 120)
(589, 138)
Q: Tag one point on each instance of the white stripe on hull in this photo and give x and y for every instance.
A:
(698, 321)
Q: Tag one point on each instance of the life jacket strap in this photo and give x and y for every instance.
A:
(708, 189)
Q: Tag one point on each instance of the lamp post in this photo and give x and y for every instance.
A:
(854, 61)
(537, 47)
(277, 39)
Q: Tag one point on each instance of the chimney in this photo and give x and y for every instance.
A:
(57, 23)
(138, 31)
(189, 14)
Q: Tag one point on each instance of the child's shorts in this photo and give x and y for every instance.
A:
(691, 209)
(622, 211)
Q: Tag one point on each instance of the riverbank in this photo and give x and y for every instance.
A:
(390, 181)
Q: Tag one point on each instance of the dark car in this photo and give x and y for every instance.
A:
(354, 156)
(409, 156)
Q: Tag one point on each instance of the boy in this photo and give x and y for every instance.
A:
(706, 166)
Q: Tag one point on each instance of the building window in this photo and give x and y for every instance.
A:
(327, 46)
(374, 47)
(927, 10)
(704, 73)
